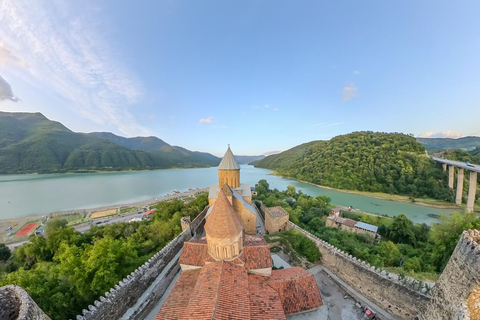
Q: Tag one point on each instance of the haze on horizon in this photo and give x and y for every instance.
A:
(262, 76)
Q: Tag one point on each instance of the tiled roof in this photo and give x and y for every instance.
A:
(229, 162)
(223, 221)
(264, 300)
(297, 289)
(277, 211)
(255, 254)
(193, 254)
(175, 304)
(257, 257)
(349, 222)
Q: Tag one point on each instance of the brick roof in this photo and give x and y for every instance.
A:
(349, 222)
(277, 211)
(222, 290)
(223, 221)
(176, 301)
(264, 300)
(297, 289)
(257, 257)
(255, 254)
(194, 254)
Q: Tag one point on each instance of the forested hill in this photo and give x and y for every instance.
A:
(367, 161)
(437, 144)
(29, 142)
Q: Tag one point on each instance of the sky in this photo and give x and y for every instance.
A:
(261, 76)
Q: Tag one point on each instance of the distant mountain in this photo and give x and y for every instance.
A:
(177, 156)
(248, 159)
(437, 144)
(29, 142)
(147, 144)
(365, 161)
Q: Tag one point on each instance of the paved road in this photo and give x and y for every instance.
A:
(124, 217)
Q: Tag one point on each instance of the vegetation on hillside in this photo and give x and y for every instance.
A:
(366, 161)
(296, 245)
(66, 270)
(437, 144)
(29, 142)
(414, 249)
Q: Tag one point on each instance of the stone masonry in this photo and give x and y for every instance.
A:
(457, 292)
(16, 303)
(401, 299)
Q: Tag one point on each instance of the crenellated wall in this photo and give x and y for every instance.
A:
(16, 303)
(457, 292)
(403, 298)
(114, 304)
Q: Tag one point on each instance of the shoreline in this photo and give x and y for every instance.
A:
(17, 223)
(367, 194)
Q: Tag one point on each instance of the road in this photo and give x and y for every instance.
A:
(124, 217)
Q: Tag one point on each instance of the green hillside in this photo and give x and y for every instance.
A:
(175, 156)
(365, 161)
(29, 142)
(436, 144)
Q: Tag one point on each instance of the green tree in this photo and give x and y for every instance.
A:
(4, 252)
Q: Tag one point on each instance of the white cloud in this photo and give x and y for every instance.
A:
(356, 72)
(6, 92)
(63, 50)
(349, 92)
(267, 106)
(441, 134)
(206, 120)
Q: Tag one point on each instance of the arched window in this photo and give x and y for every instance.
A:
(225, 252)
(218, 252)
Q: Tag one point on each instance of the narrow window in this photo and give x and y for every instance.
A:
(225, 252)
(218, 252)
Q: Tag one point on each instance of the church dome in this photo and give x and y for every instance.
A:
(223, 222)
(229, 162)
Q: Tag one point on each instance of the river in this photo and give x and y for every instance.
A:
(24, 195)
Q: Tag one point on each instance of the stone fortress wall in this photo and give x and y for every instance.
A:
(16, 303)
(115, 303)
(403, 299)
(457, 292)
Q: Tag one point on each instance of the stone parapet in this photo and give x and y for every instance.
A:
(16, 303)
(457, 292)
(402, 297)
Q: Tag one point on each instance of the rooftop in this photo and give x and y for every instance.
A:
(229, 162)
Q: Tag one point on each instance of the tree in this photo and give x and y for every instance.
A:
(54, 224)
(401, 230)
(4, 252)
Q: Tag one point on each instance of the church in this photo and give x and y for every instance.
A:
(227, 274)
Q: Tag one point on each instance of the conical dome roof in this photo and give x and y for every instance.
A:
(223, 221)
(229, 162)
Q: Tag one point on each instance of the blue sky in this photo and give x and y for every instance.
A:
(260, 75)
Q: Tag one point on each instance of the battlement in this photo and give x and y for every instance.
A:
(401, 296)
(16, 303)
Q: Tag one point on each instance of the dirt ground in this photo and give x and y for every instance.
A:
(100, 214)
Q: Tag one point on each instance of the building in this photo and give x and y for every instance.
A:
(228, 273)
(350, 225)
(276, 219)
(238, 194)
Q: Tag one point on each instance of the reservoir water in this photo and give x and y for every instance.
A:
(23, 195)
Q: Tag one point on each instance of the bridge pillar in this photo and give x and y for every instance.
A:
(451, 175)
(458, 198)
(472, 189)
(444, 166)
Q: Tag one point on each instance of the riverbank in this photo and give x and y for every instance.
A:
(17, 223)
(424, 202)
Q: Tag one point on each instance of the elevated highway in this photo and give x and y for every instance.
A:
(461, 166)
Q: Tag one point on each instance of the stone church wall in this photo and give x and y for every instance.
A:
(125, 294)
(403, 299)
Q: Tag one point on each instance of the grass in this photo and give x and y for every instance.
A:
(424, 276)
(100, 214)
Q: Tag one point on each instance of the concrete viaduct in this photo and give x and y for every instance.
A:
(461, 167)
